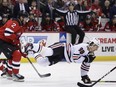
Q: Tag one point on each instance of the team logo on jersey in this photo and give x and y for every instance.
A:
(81, 50)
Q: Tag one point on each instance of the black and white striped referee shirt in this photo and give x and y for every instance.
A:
(71, 18)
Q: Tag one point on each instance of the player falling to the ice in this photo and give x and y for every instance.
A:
(83, 52)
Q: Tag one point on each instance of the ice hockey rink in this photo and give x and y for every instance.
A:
(62, 75)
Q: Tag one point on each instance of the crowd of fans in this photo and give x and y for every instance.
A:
(43, 18)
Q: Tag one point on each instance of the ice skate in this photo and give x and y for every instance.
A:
(4, 73)
(86, 79)
(17, 78)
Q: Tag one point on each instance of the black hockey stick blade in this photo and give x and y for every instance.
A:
(83, 85)
(41, 75)
(106, 81)
(45, 75)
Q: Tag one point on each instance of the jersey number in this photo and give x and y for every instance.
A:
(13, 25)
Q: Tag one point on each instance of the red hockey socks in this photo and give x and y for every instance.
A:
(16, 62)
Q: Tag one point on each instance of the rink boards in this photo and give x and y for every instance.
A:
(106, 51)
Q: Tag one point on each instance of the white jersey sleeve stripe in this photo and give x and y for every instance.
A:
(8, 32)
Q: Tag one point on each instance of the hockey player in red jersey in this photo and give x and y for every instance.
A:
(83, 53)
(9, 45)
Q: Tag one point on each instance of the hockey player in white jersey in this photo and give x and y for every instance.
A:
(83, 52)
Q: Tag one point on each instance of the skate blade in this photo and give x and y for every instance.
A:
(18, 80)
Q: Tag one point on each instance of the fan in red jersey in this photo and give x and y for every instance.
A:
(49, 24)
(32, 24)
(111, 25)
(9, 45)
(87, 25)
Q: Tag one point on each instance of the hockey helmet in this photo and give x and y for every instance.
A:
(94, 41)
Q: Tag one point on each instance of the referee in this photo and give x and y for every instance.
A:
(71, 18)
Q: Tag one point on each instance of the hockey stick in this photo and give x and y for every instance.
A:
(99, 23)
(42, 76)
(106, 81)
(83, 85)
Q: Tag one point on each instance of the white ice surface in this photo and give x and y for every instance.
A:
(62, 75)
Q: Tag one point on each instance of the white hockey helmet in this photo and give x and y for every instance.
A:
(94, 41)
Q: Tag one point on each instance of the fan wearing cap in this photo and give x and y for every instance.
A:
(87, 25)
(71, 18)
(10, 33)
(111, 25)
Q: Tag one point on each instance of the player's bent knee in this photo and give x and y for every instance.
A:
(16, 56)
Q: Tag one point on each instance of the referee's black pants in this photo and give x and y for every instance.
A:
(74, 30)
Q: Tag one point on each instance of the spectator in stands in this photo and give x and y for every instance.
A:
(111, 25)
(48, 9)
(66, 2)
(59, 4)
(106, 9)
(4, 9)
(4, 19)
(87, 4)
(87, 24)
(49, 24)
(20, 6)
(96, 7)
(113, 10)
(34, 9)
(95, 21)
(32, 24)
(80, 7)
(61, 23)
(13, 2)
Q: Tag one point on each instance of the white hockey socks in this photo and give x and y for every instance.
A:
(85, 68)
